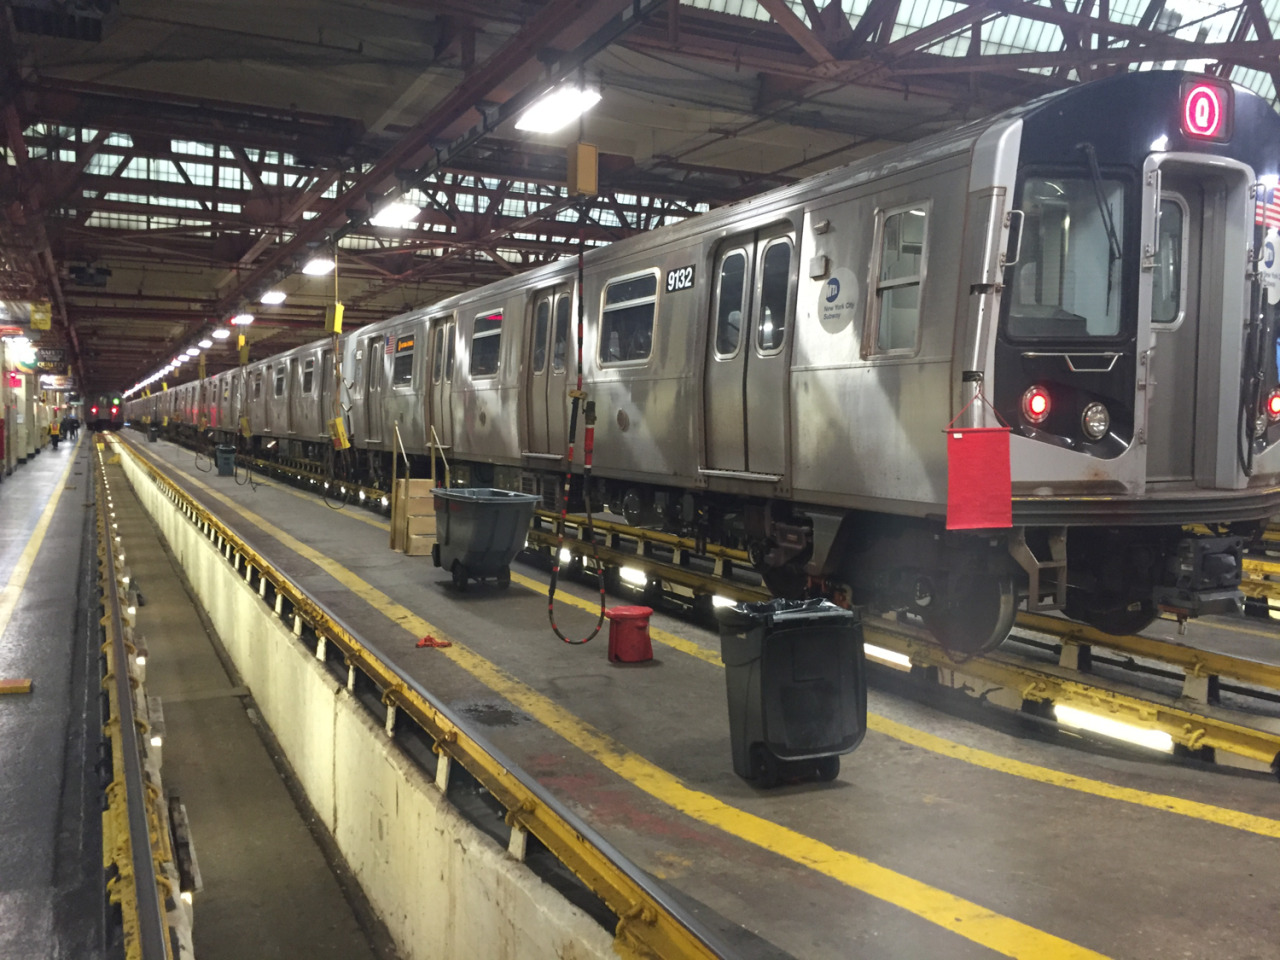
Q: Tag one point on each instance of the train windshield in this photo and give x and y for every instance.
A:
(1067, 280)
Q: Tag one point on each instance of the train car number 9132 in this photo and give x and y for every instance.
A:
(680, 278)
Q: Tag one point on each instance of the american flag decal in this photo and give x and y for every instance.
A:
(1267, 211)
(390, 343)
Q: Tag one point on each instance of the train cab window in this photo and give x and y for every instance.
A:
(402, 366)
(732, 289)
(226, 390)
(448, 353)
(1067, 280)
(626, 323)
(280, 374)
(896, 308)
(1166, 277)
(257, 386)
(775, 282)
(486, 343)
(541, 324)
(560, 349)
(308, 375)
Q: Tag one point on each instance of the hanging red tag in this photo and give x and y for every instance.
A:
(979, 487)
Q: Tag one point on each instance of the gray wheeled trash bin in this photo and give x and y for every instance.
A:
(153, 432)
(479, 531)
(796, 680)
(224, 455)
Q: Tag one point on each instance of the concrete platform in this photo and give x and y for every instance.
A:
(942, 837)
(51, 886)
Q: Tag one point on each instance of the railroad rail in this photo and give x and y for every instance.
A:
(689, 570)
(135, 830)
(649, 922)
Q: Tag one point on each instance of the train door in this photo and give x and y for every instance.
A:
(326, 390)
(443, 334)
(546, 383)
(373, 394)
(293, 395)
(747, 380)
(1175, 325)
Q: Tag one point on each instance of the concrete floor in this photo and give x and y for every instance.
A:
(269, 891)
(51, 889)
(919, 849)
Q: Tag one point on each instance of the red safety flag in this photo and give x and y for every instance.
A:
(979, 485)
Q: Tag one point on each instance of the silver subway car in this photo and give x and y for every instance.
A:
(779, 373)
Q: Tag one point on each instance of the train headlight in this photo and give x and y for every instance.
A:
(1273, 405)
(1035, 404)
(1095, 421)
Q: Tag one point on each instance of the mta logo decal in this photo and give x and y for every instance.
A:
(833, 290)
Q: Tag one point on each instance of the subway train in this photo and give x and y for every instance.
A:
(780, 374)
(104, 411)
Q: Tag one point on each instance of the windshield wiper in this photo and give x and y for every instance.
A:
(1104, 210)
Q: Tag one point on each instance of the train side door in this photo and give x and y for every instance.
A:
(443, 332)
(747, 365)
(546, 383)
(373, 394)
(326, 391)
(1175, 325)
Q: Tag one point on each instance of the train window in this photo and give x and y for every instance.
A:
(541, 324)
(226, 390)
(896, 307)
(402, 366)
(775, 282)
(486, 341)
(626, 324)
(280, 372)
(437, 354)
(257, 386)
(1166, 278)
(561, 348)
(308, 375)
(729, 306)
(1068, 277)
(448, 353)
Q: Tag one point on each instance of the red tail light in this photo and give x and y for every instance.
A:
(113, 410)
(1035, 404)
(93, 410)
(1273, 404)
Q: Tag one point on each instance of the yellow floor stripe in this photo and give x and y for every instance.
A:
(963, 917)
(18, 578)
(1223, 816)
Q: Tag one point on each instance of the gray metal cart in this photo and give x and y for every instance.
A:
(479, 531)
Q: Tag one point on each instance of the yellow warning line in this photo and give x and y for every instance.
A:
(956, 914)
(1222, 816)
(18, 578)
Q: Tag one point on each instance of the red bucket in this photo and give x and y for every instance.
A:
(629, 634)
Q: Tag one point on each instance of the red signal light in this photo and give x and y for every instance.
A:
(1273, 404)
(1207, 110)
(93, 410)
(1035, 404)
(113, 410)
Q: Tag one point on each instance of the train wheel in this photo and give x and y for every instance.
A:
(1115, 619)
(973, 615)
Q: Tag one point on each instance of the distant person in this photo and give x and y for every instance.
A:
(54, 433)
(74, 424)
(66, 427)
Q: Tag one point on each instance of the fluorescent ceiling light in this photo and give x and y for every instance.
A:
(318, 266)
(193, 351)
(557, 109)
(396, 215)
(221, 333)
(205, 344)
(242, 319)
(273, 296)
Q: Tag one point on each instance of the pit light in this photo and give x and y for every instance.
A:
(1273, 405)
(1035, 404)
(1095, 421)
